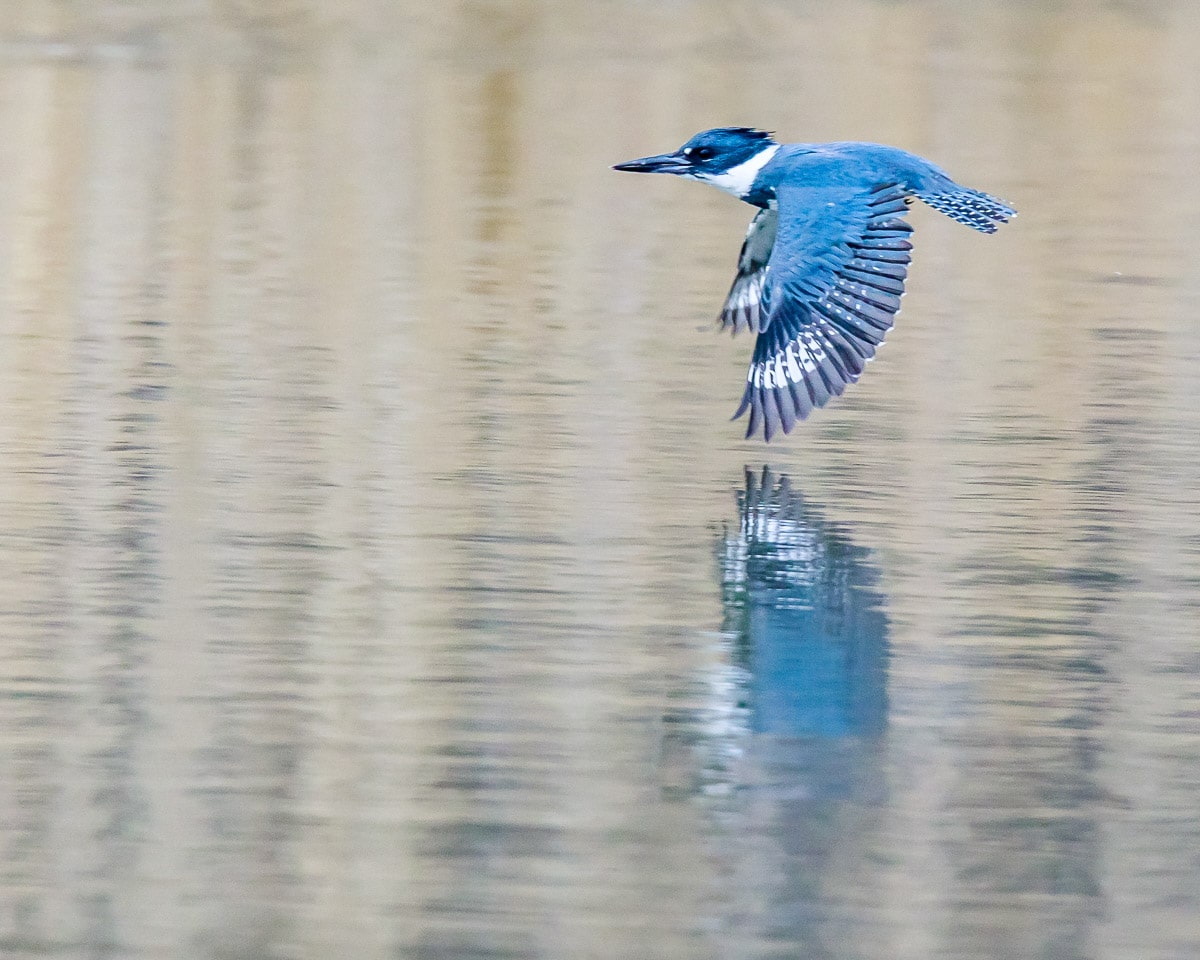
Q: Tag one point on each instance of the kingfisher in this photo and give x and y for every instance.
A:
(823, 265)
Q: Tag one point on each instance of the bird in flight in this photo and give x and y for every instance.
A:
(822, 268)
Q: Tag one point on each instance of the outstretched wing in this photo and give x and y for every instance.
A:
(742, 310)
(829, 294)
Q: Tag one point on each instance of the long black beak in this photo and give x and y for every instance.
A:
(663, 163)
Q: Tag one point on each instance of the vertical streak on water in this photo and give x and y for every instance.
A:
(41, 681)
(484, 729)
(264, 391)
(112, 479)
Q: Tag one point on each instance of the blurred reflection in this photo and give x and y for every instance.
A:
(787, 735)
(802, 653)
(808, 628)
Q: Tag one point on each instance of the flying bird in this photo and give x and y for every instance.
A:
(822, 268)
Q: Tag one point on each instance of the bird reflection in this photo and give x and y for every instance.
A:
(805, 618)
(785, 726)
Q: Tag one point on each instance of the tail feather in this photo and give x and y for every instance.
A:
(976, 209)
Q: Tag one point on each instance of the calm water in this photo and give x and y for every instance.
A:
(382, 577)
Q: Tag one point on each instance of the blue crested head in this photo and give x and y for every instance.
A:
(727, 157)
(726, 147)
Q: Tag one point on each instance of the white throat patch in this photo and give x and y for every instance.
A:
(738, 180)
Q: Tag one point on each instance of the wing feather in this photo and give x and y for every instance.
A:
(827, 294)
(743, 305)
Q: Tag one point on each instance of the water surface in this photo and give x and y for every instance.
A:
(382, 576)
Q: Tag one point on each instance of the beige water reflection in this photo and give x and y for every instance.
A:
(365, 440)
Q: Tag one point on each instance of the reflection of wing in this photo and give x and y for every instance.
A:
(805, 606)
(742, 307)
(828, 295)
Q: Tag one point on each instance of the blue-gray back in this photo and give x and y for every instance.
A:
(853, 164)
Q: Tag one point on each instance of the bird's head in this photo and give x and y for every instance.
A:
(727, 157)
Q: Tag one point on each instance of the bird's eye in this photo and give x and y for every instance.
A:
(699, 153)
